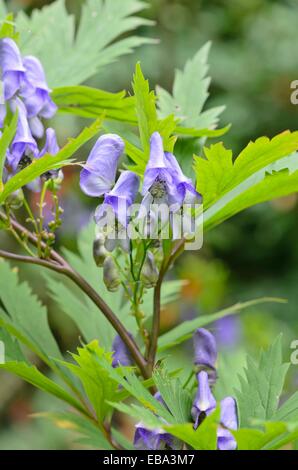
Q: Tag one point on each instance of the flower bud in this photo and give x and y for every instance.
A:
(122, 356)
(99, 251)
(110, 275)
(15, 200)
(149, 274)
(205, 349)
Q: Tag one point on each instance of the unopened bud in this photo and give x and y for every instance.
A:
(55, 178)
(110, 275)
(15, 200)
(149, 274)
(99, 251)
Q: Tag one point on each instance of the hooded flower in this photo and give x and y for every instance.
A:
(158, 178)
(99, 173)
(205, 352)
(164, 179)
(165, 190)
(229, 420)
(35, 90)
(121, 197)
(51, 145)
(157, 439)
(186, 192)
(204, 402)
(122, 356)
(13, 70)
(23, 144)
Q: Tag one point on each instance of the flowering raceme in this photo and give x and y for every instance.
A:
(26, 92)
(163, 184)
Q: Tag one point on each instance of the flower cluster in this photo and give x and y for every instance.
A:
(204, 402)
(164, 184)
(26, 92)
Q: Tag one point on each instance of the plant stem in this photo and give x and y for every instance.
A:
(178, 249)
(155, 321)
(58, 264)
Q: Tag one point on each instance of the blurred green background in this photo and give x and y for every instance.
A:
(254, 58)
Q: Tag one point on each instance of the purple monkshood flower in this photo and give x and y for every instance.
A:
(121, 197)
(36, 95)
(164, 181)
(228, 420)
(158, 183)
(122, 356)
(99, 173)
(186, 192)
(23, 145)
(51, 145)
(156, 439)
(205, 352)
(204, 402)
(12, 67)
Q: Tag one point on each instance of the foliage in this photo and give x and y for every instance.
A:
(68, 58)
(89, 381)
(262, 386)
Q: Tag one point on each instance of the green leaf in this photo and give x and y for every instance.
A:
(203, 438)
(262, 385)
(89, 320)
(91, 103)
(192, 132)
(130, 382)
(273, 436)
(25, 312)
(145, 108)
(31, 375)
(190, 93)
(91, 434)
(275, 180)
(49, 162)
(288, 411)
(7, 28)
(213, 172)
(70, 57)
(122, 440)
(98, 384)
(139, 413)
(217, 172)
(185, 331)
(13, 351)
(5, 141)
(177, 399)
(148, 122)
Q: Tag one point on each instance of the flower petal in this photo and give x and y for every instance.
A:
(204, 402)
(23, 142)
(51, 145)
(122, 356)
(12, 67)
(100, 170)
(228, 413)
(205, 348)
